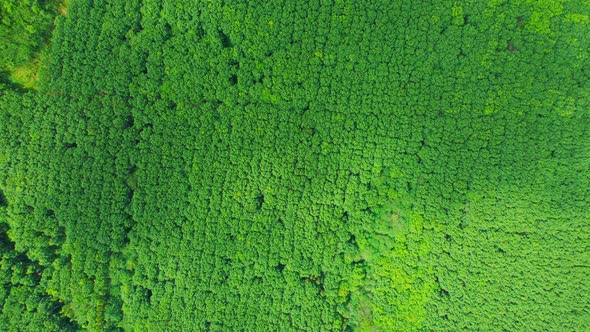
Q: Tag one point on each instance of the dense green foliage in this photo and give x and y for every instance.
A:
(287, 165)
(25, 26)
(23, 29)
(25, 304)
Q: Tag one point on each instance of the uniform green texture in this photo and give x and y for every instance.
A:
(301, 166)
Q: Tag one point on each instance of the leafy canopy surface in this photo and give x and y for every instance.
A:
(290, 165)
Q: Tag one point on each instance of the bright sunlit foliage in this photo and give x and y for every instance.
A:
(295, 166)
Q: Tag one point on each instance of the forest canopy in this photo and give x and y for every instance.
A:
(294, 165)
(25, 29)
